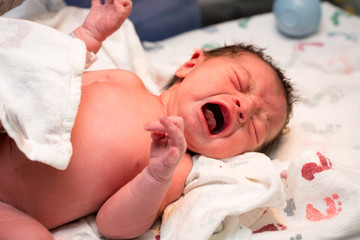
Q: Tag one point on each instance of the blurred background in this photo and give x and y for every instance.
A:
(159, 19)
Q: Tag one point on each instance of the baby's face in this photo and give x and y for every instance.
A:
(230, 105)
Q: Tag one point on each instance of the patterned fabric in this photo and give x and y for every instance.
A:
(321, 202)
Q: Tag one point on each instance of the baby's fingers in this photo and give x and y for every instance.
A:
(177, 121)
(173, 125)
(154, 127)
(163, 122)
(170, 128)
(122, 3)
(175, 130)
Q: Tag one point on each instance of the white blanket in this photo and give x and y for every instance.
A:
(245, 196)
(223, 198)
(40, 89)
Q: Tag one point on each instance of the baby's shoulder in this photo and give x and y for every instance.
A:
(115, 76)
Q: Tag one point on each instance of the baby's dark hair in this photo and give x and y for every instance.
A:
(242, 48)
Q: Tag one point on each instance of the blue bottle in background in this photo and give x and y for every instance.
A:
(297, 18)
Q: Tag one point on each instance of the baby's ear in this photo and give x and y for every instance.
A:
(186, 68)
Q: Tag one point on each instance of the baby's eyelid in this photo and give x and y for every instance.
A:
(239, 81)
(248, 81)
(244, 83)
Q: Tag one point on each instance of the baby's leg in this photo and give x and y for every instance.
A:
(16, 225)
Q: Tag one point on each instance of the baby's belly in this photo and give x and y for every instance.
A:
(110, 147)
(55, 197)
(96, 171)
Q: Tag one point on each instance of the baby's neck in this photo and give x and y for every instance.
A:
(165, 100)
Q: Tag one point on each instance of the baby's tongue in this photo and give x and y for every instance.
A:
(210, 119)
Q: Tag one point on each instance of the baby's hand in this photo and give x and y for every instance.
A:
(104, 19)
(167, 148)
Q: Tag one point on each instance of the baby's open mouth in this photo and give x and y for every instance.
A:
(214, 118)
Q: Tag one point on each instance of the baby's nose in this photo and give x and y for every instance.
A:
(244, 109)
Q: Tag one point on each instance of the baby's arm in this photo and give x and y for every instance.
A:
(102, 21)
(133, 209)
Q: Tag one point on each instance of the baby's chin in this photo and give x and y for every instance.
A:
(213, 153)
(213, 148)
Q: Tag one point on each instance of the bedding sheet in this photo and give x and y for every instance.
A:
(318, 161)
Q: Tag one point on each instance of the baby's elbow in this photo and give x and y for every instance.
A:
(120, 229)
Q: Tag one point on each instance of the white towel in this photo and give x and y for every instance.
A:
(222, 198)
(40, 88)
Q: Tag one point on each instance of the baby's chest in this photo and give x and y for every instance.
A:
(109, 128)
(109, 131)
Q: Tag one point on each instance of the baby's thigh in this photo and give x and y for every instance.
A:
(15, 224)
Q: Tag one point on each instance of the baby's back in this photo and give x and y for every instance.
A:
(110, 147)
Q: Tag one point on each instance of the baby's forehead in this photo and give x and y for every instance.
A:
(253, 56)
(256, 66)
(250, 59)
